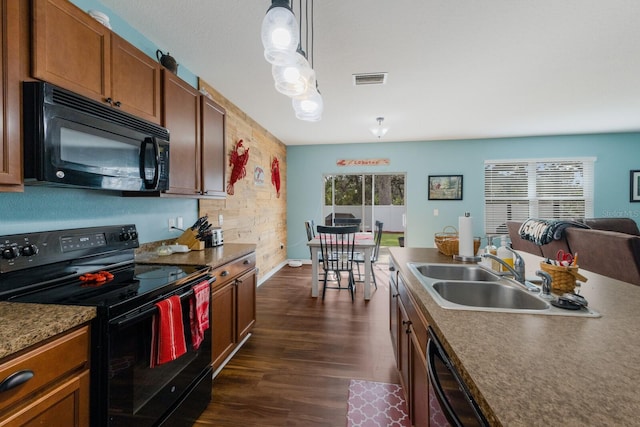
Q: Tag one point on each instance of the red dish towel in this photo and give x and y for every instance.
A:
(199, 312)
(167, 332)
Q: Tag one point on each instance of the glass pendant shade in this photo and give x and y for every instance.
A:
(308, 106)
(280, 36)
(295, 78)
(379, 131)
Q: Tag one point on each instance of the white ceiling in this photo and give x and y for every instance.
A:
(456, 68)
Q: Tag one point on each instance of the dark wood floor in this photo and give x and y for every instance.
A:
(295, 368)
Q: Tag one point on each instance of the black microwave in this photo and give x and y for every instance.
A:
(73, 141)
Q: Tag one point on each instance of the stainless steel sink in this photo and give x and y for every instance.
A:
(489, 294)
(456, 272)
(471, 287)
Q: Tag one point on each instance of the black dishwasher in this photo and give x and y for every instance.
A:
(450, 403)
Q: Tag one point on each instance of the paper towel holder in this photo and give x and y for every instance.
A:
(474, 258)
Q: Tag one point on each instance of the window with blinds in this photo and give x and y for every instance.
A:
(536, 188)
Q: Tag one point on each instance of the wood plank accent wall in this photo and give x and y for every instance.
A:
(253, 214)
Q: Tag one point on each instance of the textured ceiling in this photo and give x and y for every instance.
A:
(456, 69)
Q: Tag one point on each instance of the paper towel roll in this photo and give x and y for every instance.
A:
(465, 235)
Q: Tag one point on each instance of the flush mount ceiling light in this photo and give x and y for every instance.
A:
(379, 130)
(280, 33)
(292, 69)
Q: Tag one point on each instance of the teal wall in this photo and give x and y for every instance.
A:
(616, 155)
(40, 208)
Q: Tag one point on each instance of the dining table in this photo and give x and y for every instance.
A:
(364, 243)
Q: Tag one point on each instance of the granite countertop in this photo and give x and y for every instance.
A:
(210, 256)
(537, 370)
(24, 325)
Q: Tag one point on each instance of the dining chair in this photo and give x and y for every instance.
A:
(336, 246)
(358, 257)
(309, 227)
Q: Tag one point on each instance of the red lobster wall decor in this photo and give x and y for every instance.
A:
(237, 160)
(275, 175)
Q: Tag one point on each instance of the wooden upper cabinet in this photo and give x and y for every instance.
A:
(135, 80)
(10, 144)
(213, 154)
(74, 51)
(181, 115)
(71, 49)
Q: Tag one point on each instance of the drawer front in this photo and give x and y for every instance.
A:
(48, 363)
(233, 269)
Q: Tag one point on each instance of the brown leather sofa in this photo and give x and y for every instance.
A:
(611, 247)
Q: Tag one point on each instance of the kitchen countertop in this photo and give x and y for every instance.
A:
(209, 256)
(537, 370)
(24, 325)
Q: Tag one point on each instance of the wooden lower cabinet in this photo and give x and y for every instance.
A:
(409, 336)
(57, 395)
(233, 306)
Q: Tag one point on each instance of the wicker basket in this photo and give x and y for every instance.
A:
(447, 241)
(563, 279)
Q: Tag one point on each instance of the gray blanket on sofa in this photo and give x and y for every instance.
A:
(544, 231)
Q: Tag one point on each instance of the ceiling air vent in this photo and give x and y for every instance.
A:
(369, 79)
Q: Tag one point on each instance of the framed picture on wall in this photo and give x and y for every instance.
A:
(634, 186)
(445, 187)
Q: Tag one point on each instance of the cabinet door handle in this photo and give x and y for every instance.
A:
(394, 295)
(224, 273)
(16, 379)
(246, 261)
(392, 268)
(109, 101)
(117, 103)
(408, 325)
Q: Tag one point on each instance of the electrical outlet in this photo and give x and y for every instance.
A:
(180, 223)
(436, 212)
(172, 223)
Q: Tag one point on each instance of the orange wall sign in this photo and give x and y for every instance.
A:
(362, 162)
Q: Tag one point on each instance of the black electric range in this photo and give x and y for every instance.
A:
(67, 267)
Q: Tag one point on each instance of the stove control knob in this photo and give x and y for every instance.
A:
(10, 253)
(134, 235)
(125, 236)
(29, 250)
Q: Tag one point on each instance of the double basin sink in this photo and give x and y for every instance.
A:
(472, 287)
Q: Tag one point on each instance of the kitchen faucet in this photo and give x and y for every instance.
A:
(517, 271)
(546, 284)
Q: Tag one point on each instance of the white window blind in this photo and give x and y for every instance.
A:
(536, 188)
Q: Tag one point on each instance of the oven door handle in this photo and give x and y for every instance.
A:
(150, 311)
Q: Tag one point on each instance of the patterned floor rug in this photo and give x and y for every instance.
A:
(373, 404)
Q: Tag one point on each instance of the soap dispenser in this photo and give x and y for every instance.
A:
(505, 254)
(491, 249)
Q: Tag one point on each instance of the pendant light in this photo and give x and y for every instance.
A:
(309, 106)
(292, 73)
(280, 33)
(296, 77)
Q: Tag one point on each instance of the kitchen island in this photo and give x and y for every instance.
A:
(540, 370)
